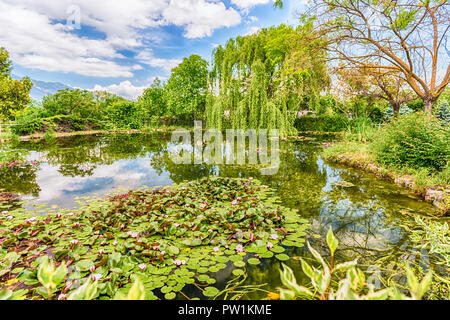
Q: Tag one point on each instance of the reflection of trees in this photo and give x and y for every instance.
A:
(20, 179)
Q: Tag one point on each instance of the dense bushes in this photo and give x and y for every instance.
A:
(324, 123)
(415, 140)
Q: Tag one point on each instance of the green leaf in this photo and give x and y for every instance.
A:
(332, 241)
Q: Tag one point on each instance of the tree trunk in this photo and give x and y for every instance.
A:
(396, 108)
(428, 105)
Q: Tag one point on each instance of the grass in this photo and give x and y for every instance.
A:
(360, 149)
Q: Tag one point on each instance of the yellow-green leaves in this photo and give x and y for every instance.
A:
(137, 291)
(289, 280)
(418, 288)
(50, 277)
(87, 291)
(332, 241)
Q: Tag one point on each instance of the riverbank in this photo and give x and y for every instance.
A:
(357, 155)
(41, 136)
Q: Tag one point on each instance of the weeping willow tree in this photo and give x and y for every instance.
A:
(256, 82)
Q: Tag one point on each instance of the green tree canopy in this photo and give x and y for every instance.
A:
(187, 87)
(14, 94)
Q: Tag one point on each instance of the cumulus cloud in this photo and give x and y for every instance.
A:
(37, 36)
(147, 57)
(247, 4)
(124, 89)
(253, 30)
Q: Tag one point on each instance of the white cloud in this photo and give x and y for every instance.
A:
(148, 58)
(36, 35)
(253, 30)
(247, 4)
(124, 89)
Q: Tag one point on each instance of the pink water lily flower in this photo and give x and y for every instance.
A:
(9, 217)
(115, 243)
(325, 146)
(239, 248)
(76, 224)
(274, 236)
(34, 163)
(210, 230)
(59, 215)
(259, 151)
(62, 297)
(92, 269)
(251, 178)
(96, 277)
(203, 206)
(101, 251)
(264, 186)
(74, 242)
(269, 245)
(234, 202)
(216, 249)
(163, 253)
(142, 266)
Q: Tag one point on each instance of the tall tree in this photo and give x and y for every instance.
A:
(404, 37)
(187, 87)
(374, 83)
(14, 94)
(153, 99)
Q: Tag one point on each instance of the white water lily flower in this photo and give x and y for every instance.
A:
(96, 276)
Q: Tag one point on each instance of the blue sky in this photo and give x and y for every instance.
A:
(122, 45)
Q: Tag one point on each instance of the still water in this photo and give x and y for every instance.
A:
(368, 215)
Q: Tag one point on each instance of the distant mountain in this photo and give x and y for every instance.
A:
(42, 88)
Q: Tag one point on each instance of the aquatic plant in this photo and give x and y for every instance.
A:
(352, 287)
(168, 238)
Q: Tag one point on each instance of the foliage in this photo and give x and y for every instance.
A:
(168, 238)
(416, 140)
(352, 287)
(126, 115)
(153, 100)
(14, 94)
(186, 88)
(434, 236)
(324, 123)
(260, 85)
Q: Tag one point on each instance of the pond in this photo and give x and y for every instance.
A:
(368, 215)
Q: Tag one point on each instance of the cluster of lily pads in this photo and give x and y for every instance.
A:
(170, 238)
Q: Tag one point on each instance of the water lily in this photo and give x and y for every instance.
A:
(264, 186)
(30, 220)
(274, 236)
(62, 296)
(74, 242)
(97, 232)
(176, 225)
(92, 269)
(34, 163)
(115, 243)
(163, 253)
(133, 234)
(250, 179)
(76, 224)
(200, 216)
(59, 215)
(203, 206)
(5, 212)
(239, 248)
(142, 266)
(101, 251)
(216, 249)
(259, 151)
(210, 230)
(234, 202)
(269, 245)
(9, 217)
(166, 216)
(96, 276)
(122, 226)
(325, 146)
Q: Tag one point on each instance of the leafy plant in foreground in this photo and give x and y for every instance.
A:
(352, 287)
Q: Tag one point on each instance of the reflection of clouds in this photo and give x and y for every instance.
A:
(128, 174)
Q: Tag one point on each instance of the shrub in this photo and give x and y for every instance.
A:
(28, 121)
(416, 140)
(324, 123)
